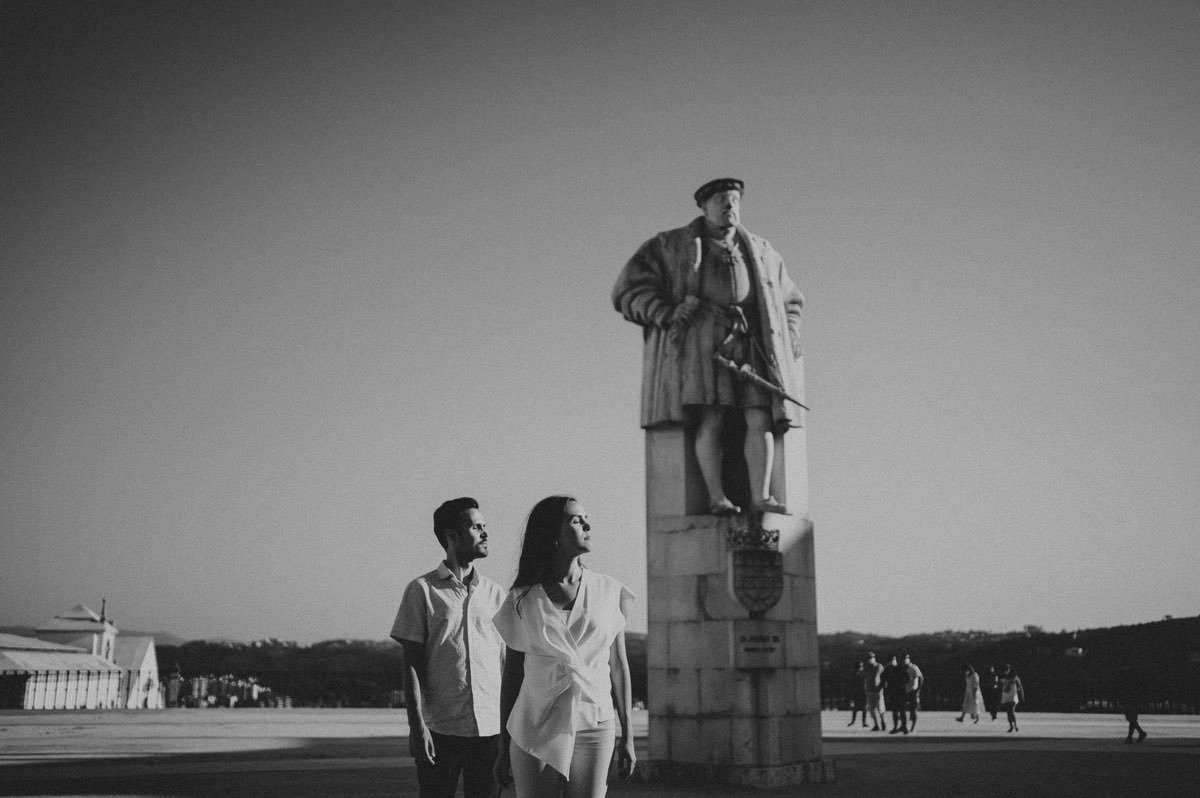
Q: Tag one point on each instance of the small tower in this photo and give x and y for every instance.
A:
(83, 628)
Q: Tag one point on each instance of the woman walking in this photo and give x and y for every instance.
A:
(564, 626)
(1011, 694)
(972, 696)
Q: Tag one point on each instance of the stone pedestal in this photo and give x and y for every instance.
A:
(734, 679)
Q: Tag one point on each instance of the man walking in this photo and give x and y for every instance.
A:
(453, 660)
(912, 690)
(1131, 694)
(873, 692)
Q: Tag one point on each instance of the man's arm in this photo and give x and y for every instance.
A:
(420, 739)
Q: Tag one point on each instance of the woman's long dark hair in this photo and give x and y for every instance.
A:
(540, 541)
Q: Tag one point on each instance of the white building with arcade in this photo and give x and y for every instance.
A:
(79, 660)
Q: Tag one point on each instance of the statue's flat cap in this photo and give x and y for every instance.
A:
(720, 184)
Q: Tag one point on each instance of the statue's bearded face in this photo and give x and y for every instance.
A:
(723, 209)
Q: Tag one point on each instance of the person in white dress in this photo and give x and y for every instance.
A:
(565, 697)
(972, 696)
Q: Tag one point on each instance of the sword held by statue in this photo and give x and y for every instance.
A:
(746, 373)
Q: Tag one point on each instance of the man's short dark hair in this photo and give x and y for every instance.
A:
(449, 514)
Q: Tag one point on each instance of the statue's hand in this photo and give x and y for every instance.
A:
(737, 320)
(681, 318)
(684, 311)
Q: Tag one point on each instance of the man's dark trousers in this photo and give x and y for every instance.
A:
(472, 757)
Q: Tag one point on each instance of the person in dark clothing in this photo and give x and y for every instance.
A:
(895, 683)
(990, 683)
(857, 694)
(1131, 693)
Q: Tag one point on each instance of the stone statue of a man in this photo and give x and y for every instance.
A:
(714, 288)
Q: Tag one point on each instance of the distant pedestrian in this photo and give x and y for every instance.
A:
(912, 690)
(1131, 693)
(895, 684)
(1011, 694)
(858, 696)
(972, 695)
(990, 684)
(453, 657)
(873, 692)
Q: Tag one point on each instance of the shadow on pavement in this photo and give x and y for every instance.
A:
(381, 767)
(316, 767)
(984, 774)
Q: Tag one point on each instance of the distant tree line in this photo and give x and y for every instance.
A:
(333, 673)
(1062, 672)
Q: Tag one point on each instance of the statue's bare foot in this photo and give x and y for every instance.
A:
(771, 505)
(724, 507)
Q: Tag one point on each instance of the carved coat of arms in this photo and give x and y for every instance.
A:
(756, 567)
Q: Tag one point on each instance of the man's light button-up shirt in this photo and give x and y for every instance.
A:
(463, 650)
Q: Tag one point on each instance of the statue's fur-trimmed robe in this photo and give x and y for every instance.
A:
(658, 277)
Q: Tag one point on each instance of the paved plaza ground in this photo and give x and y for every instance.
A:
(266, 753)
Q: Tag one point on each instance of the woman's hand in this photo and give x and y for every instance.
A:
(626, 757)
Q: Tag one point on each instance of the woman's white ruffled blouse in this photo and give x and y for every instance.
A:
(566, 686)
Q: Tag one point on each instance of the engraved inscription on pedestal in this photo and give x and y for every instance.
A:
(759, 644)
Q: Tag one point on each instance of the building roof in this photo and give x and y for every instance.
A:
(27, 654)
(35, 661)
(19, 643)
(64, 625)
(80, 613)
(131, 652)
(77, 619)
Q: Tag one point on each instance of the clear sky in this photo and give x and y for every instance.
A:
(278, 278)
